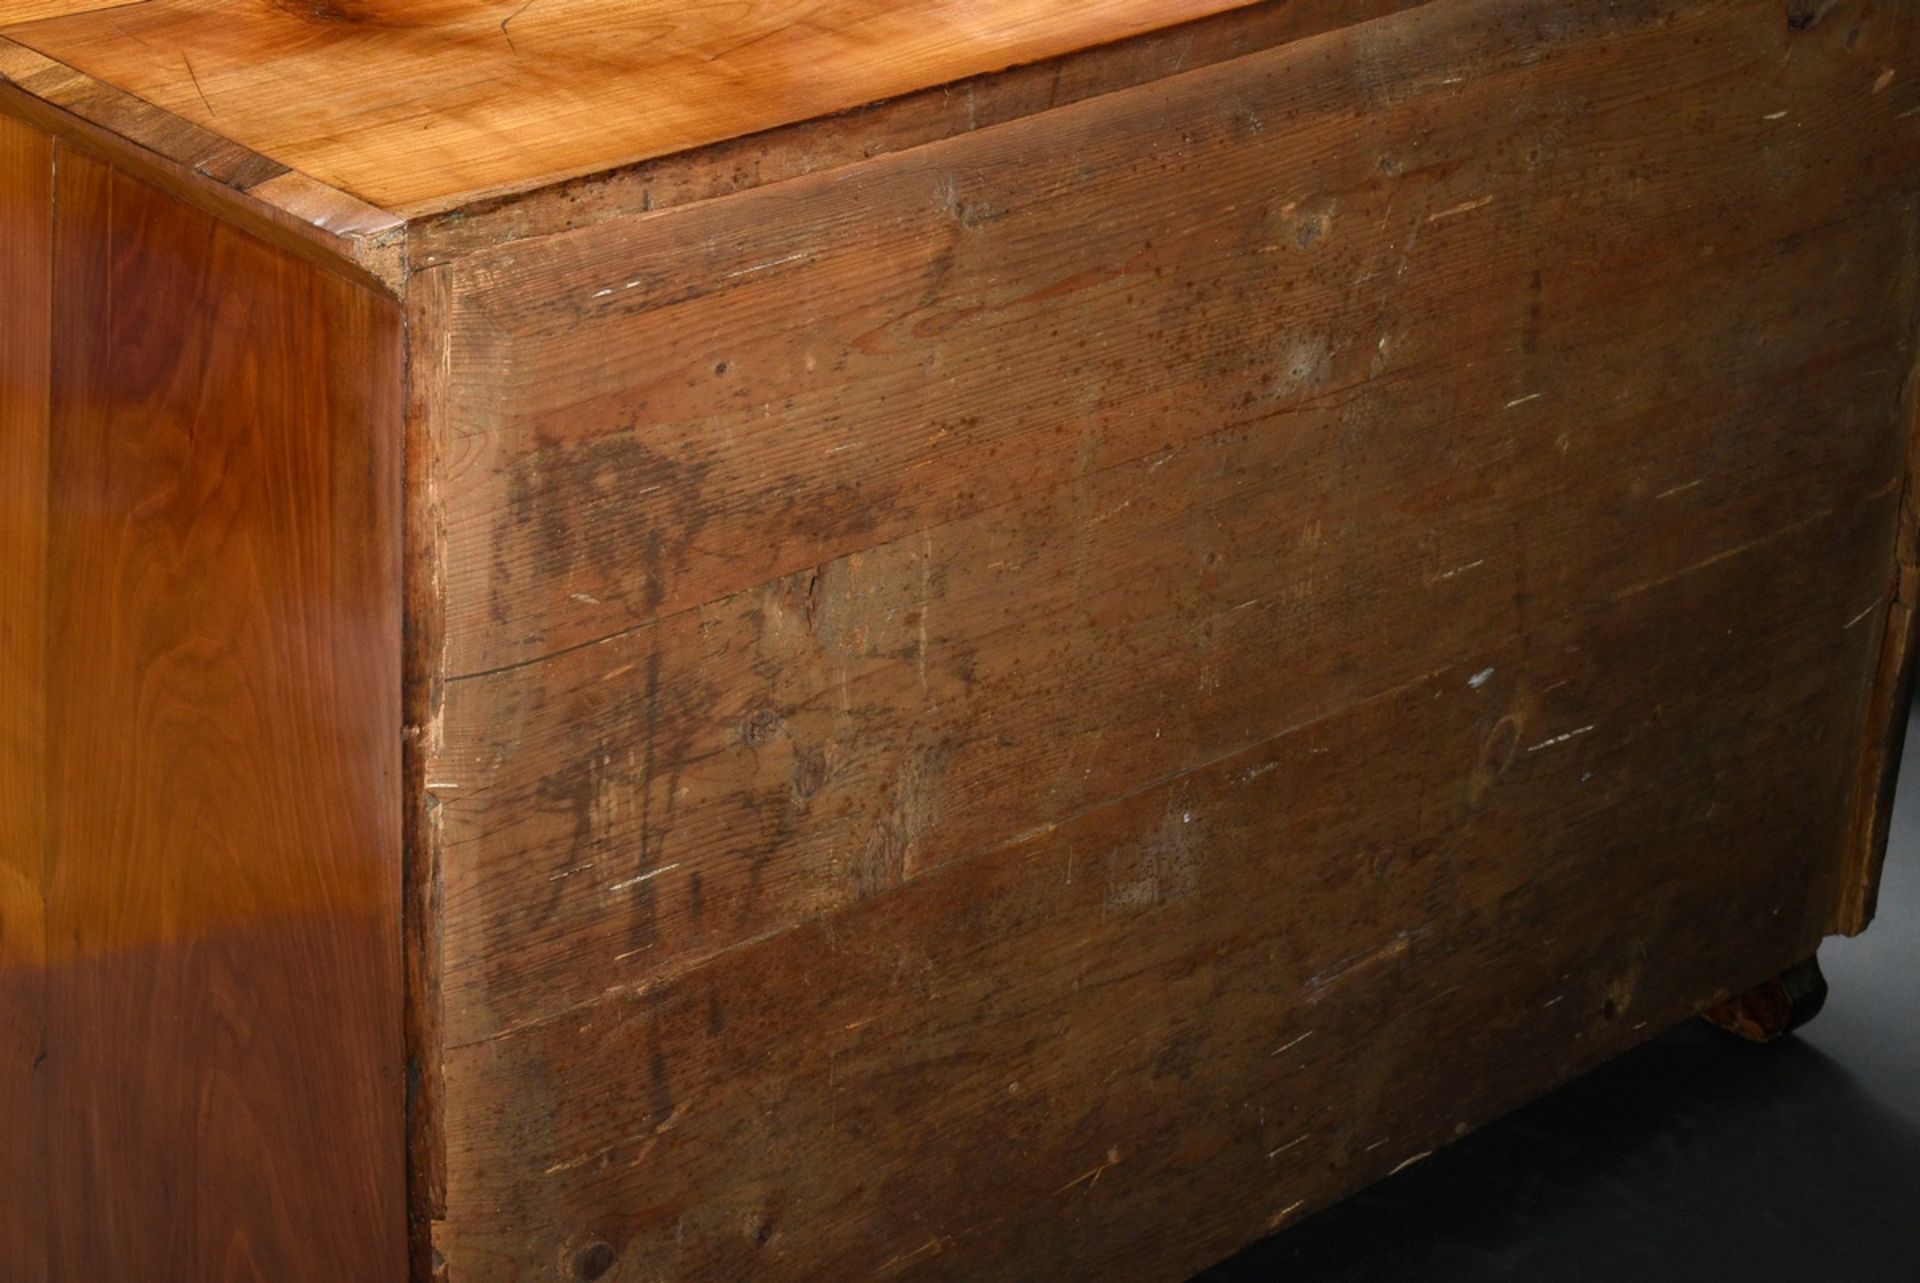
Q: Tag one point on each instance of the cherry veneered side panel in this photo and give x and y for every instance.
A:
(26, 237)
(202, 744)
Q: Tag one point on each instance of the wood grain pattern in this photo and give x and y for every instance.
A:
(223, 1053)
(883, 128)
(1241, 992)
(789, 747)
(698, 401)
(952, 662)
(26, 266)
(792, 747)
(454, 100)
(204, 169)
(12, 11)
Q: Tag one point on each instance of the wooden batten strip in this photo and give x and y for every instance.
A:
(1887, 702)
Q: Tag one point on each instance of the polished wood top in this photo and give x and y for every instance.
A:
(417, 106)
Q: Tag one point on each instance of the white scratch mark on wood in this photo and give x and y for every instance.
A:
(926, 604)
(644, 877)
(1576, 733)
(934, 1246)
(762, 267)
(1289, 1046)
(1522, 400)
(1775, 115)
(1679, 489)
(1297, 1140)
(1884, 79)
(567, 873)
(1465, 207)
(1092, 1178)
(1392, 949)
(1410, 1162)
(1458, 570)
(1862, 615)
(1480, 678)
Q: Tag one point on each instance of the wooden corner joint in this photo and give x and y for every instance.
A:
(326, 226)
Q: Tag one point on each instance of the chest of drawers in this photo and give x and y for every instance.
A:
(980, 640)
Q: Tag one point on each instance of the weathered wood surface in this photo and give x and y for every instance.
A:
(1238, 993)
(1461, 453)
(417, 107)
(821, 365)
(218, 1062)
(897, 124)
(1887, 704)
(1409, 386)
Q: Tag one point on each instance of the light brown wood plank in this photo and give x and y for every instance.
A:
(913, 120)
(26, 265)
(650, 413)
(224, 991)
(416, 107)
(12, 11)
(1240, 993)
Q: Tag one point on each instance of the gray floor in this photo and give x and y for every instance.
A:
(1697, 1157)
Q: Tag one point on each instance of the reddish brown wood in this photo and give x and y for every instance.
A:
(26, 265)
(1776, 1006)
(223, 1056)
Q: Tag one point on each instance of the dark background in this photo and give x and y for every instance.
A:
(1696, 1157)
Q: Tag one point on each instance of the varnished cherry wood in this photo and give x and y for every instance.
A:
(26, 270)
(203, 169)
(217, 1067)
(420, 106)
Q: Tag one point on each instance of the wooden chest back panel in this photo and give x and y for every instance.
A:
(1007, 635)
(1238, 993)
(201, 692)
